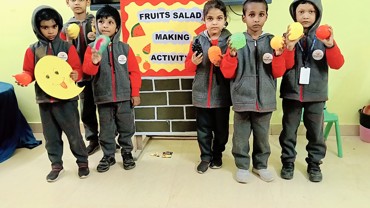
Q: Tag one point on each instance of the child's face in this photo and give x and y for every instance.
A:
(49, 29)
(255, 16)
(305, 14)
(107, 26)
(215, 21)
(78, 6)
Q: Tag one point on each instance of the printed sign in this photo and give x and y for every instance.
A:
(160, 33)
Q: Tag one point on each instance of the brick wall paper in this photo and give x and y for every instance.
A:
(166, 107)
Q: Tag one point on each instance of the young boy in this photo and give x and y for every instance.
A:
(86, 36)
(57, 116)
(253, 91)
(116, 85)
(313, 56)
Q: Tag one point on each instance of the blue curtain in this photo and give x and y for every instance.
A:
(14, 129)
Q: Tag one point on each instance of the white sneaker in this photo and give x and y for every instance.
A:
(264, 174)
(243, 176)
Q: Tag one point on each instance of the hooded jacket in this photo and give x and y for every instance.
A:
(317, 89)
(117, 76)
(86, 27)
(42, 47)
(253, 87)
(210, 89)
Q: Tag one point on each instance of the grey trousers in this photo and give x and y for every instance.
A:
(57, 118)
(244, 124)
(116, 117)
(313, 118)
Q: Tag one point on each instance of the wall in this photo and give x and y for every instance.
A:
(166, 107)
(348, 87)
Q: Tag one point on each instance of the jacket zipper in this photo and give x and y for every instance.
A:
(210, 86)
(111, 63)
(257, 81)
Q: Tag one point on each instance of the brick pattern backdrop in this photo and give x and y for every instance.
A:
(166, 107)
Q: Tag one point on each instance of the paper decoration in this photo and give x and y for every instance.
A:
(53, 76)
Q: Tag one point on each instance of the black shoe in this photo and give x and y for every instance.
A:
(202, 167)
(128, 161)
(314, 172)
(105, 163)
(54, 173)
(216, 164)
(92, 147)
(287, 171)
(83, 170)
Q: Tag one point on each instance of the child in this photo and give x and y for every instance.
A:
(86, 36)
(115, 99)
(211, 91)
(313, 57)
(253, 92)
(57, 116)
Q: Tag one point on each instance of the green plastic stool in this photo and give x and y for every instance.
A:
(331, 118)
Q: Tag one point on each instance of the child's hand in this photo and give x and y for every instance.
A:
(95, 56)
(135, 101)
(22, 79)
(20, 84)
(72, 31)
(218, 63)
(197, 58)
(74, 75)
(290, 44)
(91, 36)
(279, 51)
(233, 51)
(330, 41)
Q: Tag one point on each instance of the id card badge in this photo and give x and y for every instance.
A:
(304, 77)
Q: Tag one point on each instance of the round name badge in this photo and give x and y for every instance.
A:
(62, 55)
(318, 54)
(122, 59)
(267, 58)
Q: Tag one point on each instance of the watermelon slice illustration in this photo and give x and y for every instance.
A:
(101, 43)
(137, 30)
(147, 48)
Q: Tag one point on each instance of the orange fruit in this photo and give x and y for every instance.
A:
(276, 42)
(322, 32)
(138, 58)
(146, 65)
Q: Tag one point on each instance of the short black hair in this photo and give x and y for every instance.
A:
(109, 11)
(217, 4)
(48, 14)
(255, 1)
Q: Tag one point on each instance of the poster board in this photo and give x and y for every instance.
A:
(160, 33)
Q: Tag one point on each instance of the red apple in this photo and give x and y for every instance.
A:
(323, 32)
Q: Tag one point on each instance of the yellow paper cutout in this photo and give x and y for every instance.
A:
(53, 76)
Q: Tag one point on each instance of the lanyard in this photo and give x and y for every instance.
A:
(305, 52)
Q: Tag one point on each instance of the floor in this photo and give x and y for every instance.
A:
(158, 182)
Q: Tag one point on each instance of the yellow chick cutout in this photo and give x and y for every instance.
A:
(53, 76)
